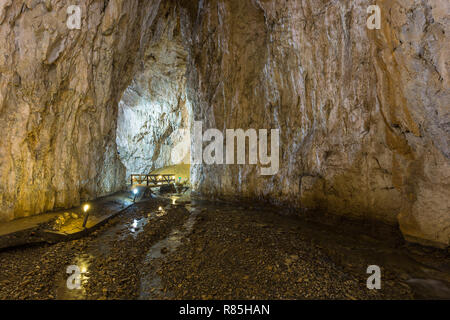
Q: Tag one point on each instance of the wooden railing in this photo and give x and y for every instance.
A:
(152, 179)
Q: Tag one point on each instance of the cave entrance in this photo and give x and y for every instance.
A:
(154, 118)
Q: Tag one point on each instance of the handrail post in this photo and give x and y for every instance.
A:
(85, 219)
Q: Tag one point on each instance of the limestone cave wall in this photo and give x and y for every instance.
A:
(59, 90)
(154, 112)
(363, 114)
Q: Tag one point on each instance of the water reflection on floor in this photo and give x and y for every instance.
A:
(150, 280)
(82, 262)
(425, 271)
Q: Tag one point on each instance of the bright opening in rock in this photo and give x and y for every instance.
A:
(153, 128)
(344, 101)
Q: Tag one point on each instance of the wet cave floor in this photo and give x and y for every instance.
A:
(174, 248)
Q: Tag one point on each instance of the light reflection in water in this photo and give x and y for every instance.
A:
(137, 226)
(83, 262)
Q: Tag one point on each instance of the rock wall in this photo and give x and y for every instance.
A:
(363, 114)
(59, 90)
(154, 112)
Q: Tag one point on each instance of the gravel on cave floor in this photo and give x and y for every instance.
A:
(158, 250)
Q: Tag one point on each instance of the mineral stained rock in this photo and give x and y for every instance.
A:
(363, 114)
(153, 128)
(59, 90)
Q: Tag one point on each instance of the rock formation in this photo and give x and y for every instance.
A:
(59, 90)
(154, 113)
(363, 114)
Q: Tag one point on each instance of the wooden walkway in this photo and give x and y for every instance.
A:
(152, 180)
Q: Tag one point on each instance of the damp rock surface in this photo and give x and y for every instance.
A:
(363, 114)
(59, 92)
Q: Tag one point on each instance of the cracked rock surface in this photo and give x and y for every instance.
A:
(363, 114)
(154, 112)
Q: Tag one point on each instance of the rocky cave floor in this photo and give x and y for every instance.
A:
(172, 248)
